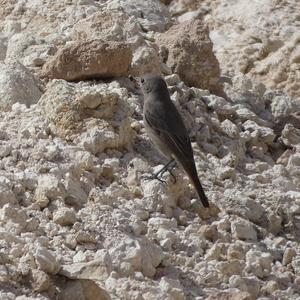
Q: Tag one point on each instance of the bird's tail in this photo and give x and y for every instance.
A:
(190, 169)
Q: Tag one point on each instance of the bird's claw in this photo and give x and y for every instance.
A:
(153, 177)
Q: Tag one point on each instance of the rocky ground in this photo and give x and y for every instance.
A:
(78, 218)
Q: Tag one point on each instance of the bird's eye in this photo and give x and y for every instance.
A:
(142, 80)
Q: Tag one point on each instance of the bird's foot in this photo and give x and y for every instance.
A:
(154, 177)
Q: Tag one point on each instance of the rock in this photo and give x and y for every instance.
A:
(140, 255)
(243, 230)
(282, 106)
(17, 85)
(235, 294)
(228, 268)
(151, 15)
(82, 289)
(97, 269)
(98, 112)
(190, 54)
(245, 284)
(290, 135)
(64, 216)
(6, 194)
(95, 59)
(230, 129)
(251, 209)
(119, 26)
(257, 42)
(259, 263)
(10, 213)
(3, 48)
(209, 232)
(270, 287)
(40, 281)
(274, 223)
(173, 287)
(260, 133)
(49, 186)
(288, 255)
(30, 50)
(46, 261)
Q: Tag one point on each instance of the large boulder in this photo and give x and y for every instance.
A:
(89, 59)
(190, 54)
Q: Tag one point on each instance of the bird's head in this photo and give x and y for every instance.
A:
(150, 83)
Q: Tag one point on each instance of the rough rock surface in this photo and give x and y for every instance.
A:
(189, 54)
(78, 218)
(17, 85)
(259, 38)
(94, 59)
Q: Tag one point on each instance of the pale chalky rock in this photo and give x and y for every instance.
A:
(64, 216)
(40, 281)
(288, 255)
(11, 213)
(82, 289)
(17, 85)
(97, 269)
(190, 55)
(111, 25)
(245, 284)
(136, 255)
(151, 15)
(173, 287)
(6, 194)
(89, 59)
(243, 230)
(46, 261)
(50, 186)
(99, 112)
(259, 263)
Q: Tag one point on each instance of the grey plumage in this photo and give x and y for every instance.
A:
(166, 128)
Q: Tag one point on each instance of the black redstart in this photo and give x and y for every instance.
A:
(166, 128)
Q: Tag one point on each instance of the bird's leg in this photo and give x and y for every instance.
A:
(168, 167)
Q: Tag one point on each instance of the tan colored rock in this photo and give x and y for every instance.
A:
(119, 26)
(40, 281)
(107, 25)
(46, 261)
(99, 112)
(231, 295)
(97, 269)
(82, 289)
(259, 38)
(89, 59)
(64, 216)
(190, 54)
(17, 85)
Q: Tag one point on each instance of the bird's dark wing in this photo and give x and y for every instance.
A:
(169, 126)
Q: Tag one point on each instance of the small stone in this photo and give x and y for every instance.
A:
(41, 281)
(274, 223)
(82, 290)
(64, 216)
(46, 261)
(209, 232)
(228, 268)
(243, 230)
(173, 287)
(97, 269)
(245, 284)
(270, 287)
(288, 256)
(83, 237)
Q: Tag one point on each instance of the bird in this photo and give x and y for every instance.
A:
(165, 127)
